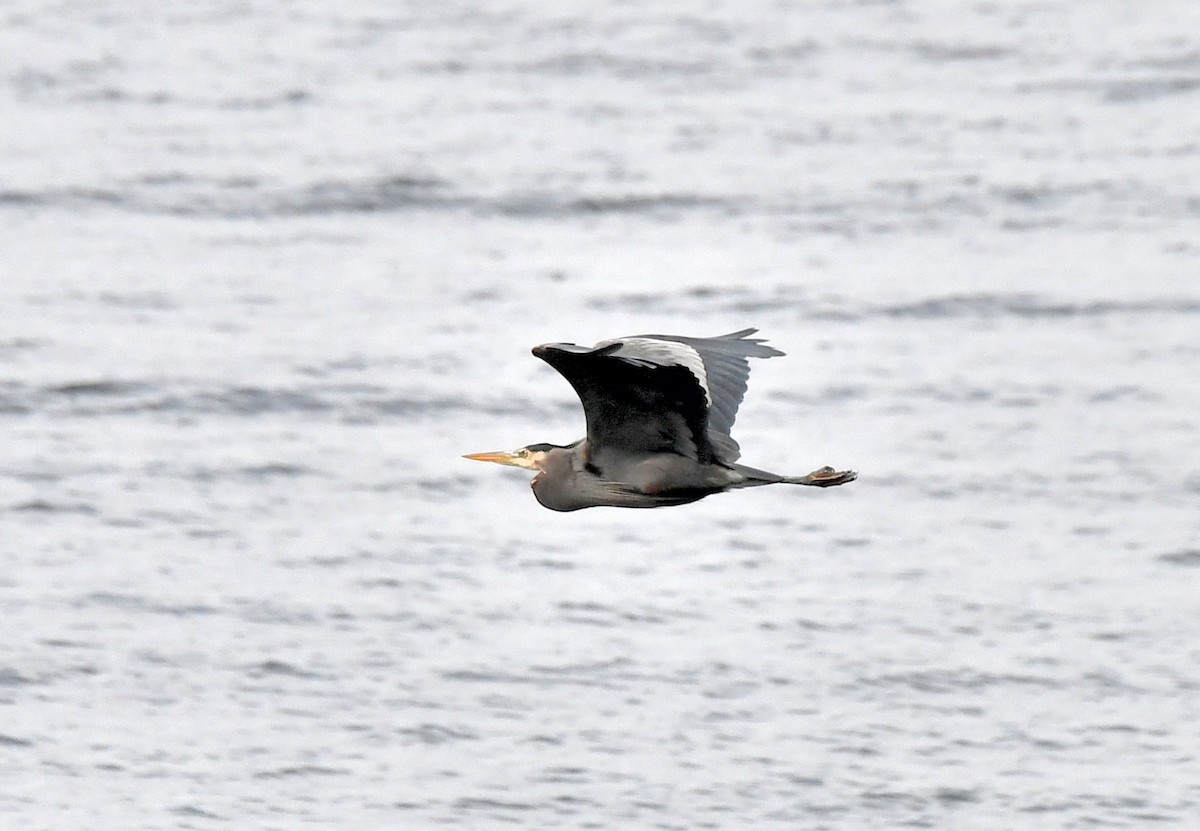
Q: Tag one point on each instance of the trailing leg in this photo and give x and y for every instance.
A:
(825, 477)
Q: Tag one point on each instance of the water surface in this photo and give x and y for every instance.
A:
(268, 271)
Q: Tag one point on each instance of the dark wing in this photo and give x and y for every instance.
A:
(727, 372)
(660, 393)
(633, 404)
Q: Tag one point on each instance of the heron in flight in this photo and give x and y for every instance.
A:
(659, 409)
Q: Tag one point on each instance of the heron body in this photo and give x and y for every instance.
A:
(659, 411)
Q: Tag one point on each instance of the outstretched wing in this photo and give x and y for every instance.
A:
(727, 371)
(661, 393)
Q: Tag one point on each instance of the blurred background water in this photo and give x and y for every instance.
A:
(268, 269)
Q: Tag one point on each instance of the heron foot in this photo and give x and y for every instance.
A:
(825, 477)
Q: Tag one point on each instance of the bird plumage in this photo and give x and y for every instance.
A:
(661, 392)
(659, 411)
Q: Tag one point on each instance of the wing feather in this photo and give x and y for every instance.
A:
(661, 393)
(727, 367)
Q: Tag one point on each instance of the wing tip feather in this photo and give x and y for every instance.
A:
(761, 348)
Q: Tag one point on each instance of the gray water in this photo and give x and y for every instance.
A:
(268, 270)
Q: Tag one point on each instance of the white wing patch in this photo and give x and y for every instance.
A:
(664, 353)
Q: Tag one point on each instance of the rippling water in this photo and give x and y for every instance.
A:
(269, 269)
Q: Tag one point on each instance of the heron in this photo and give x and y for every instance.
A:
(659, 410)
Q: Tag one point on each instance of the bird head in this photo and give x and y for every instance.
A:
(531, 457)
